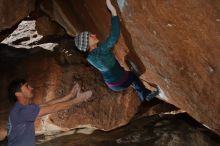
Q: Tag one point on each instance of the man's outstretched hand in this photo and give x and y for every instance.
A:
(73, 92)
(65, 102)
(82, 97)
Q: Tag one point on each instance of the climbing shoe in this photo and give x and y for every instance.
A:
(152, 94)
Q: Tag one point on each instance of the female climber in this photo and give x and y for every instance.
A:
(101, 57)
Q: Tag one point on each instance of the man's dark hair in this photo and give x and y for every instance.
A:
(14, 87)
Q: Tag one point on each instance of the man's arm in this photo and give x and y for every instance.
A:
(72, 93)
(81, 97)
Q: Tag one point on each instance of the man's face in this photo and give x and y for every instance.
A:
(27, 90)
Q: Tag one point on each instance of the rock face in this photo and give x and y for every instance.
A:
(106, 110)
(11, 12)
(177, 43)
(52, 75)
(154, 131)
(45, 27)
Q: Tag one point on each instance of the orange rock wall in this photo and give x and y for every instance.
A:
(176, 41)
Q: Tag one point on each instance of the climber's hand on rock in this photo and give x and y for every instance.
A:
(111, 7)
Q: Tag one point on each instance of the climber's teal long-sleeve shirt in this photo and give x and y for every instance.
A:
(104, 60)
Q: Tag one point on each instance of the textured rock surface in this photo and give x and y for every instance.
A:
(154, 131)
(107, 110)
(45, 27)
(11, 12)
(53, 73)
(176, 41)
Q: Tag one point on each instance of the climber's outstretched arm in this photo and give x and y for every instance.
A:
(109, 43)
